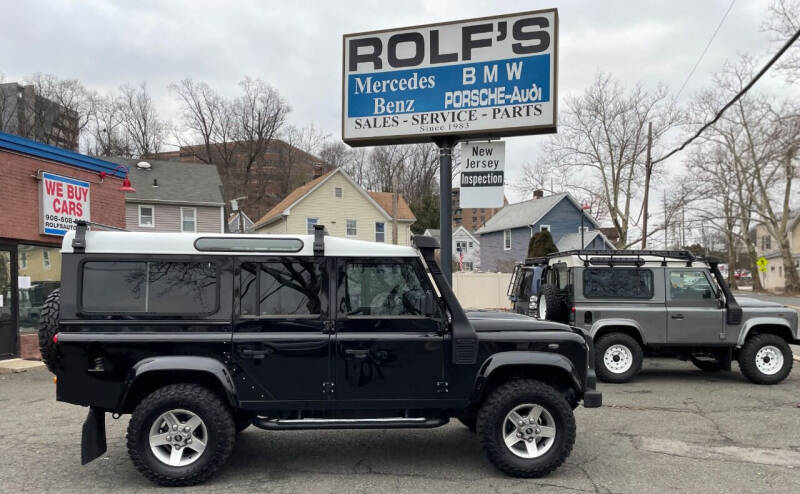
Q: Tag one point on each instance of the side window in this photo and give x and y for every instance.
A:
(381, 289)
(285, 288)
(689, 285)
(153, 287)
(618, 283)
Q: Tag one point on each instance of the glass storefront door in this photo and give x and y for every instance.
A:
(8, 310)
(39, 274)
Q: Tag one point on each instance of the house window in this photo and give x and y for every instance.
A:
(583, 228)
(188, 220)
(45, 259)
(338, 192)
(352, 231)
(310, 223)
(461, 246)
(470, 245)
(474, 219)
(146, 216)
(544, 228)
(506, 239)
(380, 232)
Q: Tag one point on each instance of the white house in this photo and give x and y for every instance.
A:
(464, 243)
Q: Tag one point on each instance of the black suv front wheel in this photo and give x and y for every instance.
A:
(526, 428)
(618, 358)
(181, 435)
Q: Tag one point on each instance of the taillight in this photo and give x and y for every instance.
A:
(55, 338)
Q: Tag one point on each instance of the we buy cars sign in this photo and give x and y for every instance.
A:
(63, 200)
(477, 78)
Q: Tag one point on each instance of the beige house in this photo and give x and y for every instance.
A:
(346, 210)
(767, 247)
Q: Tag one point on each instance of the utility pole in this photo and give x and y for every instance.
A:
(394, 215)
(445, 145)
(648, 169)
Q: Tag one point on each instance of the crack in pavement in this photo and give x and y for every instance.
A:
(730, 454)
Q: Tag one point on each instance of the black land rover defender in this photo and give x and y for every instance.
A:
(198, 336)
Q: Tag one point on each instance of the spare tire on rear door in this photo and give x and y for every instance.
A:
(552, 304)
(48, 327)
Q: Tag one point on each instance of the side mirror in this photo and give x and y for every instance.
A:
(428, 304)
(513, 298)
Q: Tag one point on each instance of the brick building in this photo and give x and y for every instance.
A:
(42, 190)
(470, 218)
(264, 178)
(27, 114)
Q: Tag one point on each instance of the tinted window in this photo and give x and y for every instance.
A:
(281, 288)
(386, 289)
(618, 283)
(157, 287)
(114, 286)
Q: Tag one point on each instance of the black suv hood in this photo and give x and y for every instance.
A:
(509, 321)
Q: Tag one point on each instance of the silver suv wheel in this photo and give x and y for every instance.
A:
(769, 360)
(618, 359)
(529, 431)
(178, 437)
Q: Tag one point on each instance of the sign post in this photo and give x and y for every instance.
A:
(482, 78)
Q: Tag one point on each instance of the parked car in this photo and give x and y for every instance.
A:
(636, 304)
(199, 336)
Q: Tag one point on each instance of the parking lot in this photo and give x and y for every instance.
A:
(673, 429)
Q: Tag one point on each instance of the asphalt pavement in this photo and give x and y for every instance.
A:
(673, 429)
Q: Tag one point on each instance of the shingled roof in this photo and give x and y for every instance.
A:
(178, 182)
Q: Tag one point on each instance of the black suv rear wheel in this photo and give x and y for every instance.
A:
(765, 359)
(618, 358)
(526, 428)
(181, 435)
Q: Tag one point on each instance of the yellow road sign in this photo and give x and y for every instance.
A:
(762, 264)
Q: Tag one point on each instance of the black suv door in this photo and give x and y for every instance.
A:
(385, 347)
(280, 339)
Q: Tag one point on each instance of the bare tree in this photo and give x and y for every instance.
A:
(144, 130)
(107, 137)
(602, 142)
(783, 22)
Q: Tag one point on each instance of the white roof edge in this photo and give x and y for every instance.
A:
(106, 242)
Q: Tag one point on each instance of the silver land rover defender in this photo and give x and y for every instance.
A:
(635, 304)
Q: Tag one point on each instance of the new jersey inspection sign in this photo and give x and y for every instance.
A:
(489, 77)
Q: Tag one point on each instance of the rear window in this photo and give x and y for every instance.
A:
(618, 283)
(149, 287)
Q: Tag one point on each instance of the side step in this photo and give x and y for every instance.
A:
(377, 423)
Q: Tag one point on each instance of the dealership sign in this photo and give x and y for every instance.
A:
(487, 77)
(482, 169)
(63, 200)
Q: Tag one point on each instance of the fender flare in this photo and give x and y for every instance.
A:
(190, 363)
(526, 358)
(617, 322)
(761, 321)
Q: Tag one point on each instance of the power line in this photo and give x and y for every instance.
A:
(691, 72)
(735, 98)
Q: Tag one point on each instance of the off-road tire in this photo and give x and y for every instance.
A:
(604, 343)
(209, 407)
(469, 420)
(500, 402)
(557, 309)
(48, 327)
(706, 364)
(747, 358)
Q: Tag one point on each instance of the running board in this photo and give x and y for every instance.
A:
(378, 423)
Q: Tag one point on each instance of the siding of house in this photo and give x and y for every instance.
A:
(563, 218)
(167, 218)
(333, 212)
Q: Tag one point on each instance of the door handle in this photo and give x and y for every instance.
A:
(252, 353)
(353, 353)
(677, 316)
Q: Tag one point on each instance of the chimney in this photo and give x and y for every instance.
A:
(319, 170)
(538, 194)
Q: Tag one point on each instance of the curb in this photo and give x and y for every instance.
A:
(16, 365)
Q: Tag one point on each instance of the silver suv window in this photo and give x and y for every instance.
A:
(618, 283)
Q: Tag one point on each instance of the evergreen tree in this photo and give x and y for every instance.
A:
(541, 244)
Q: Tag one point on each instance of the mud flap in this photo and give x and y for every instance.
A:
(93, 438)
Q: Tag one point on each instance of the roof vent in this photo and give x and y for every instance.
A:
(143, 165)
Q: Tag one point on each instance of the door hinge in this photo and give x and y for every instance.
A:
(328, 388)
(442, 387)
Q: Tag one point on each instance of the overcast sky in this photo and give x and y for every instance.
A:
(296, 45)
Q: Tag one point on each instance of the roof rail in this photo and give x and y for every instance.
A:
(79, 242)
(319, 239)
(608, 256)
